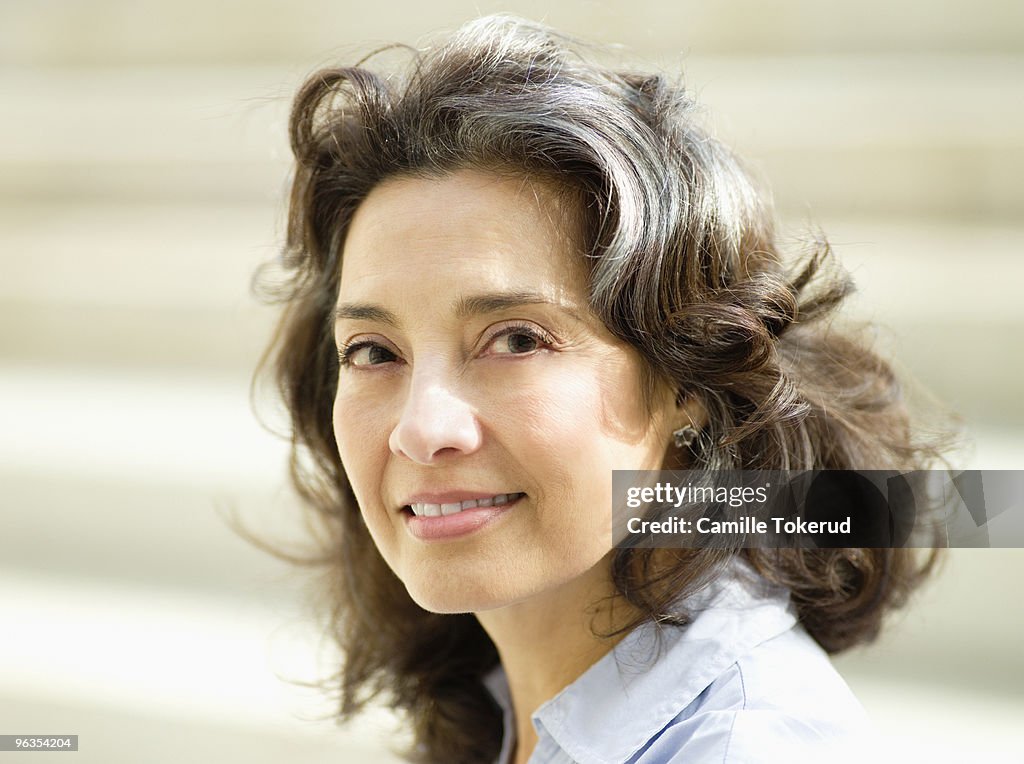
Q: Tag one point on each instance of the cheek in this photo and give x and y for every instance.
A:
(551, 422)
(622, 416)
(578, 422)
(360, 438)
(564, 446)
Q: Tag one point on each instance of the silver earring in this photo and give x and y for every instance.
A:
(685, 436)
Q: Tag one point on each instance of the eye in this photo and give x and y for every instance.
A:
(520, 339)
(365, 353)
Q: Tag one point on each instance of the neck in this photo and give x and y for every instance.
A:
(549, 640)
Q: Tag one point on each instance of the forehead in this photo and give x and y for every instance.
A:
(469, 224)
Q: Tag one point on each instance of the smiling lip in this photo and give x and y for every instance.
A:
(440, 527)
(450, 497)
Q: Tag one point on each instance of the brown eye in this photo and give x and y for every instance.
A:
(366, 354)
(520, 342)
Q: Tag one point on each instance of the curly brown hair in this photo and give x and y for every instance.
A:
(684, 265)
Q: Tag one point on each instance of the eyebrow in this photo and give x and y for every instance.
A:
(472, 305)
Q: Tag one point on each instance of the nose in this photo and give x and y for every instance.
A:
(435, 421)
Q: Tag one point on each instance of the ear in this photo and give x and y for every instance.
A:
(690, 411)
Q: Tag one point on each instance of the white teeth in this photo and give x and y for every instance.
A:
(436, 510)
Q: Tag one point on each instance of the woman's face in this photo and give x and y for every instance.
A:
(474, 375)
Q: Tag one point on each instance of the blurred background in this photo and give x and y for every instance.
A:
(143, 165)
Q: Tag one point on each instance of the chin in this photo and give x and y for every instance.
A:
(452, 597)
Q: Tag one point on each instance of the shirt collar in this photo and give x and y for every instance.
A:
(619, 704)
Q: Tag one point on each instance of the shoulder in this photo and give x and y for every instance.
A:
(782, 701)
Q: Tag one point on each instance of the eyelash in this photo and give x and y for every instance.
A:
(346, 352)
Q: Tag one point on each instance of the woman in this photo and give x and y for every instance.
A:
(513, 271)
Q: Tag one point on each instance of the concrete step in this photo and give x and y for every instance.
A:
(150, 284)
(171, 133)
(156, 675)
(134, 476)
(886, 136)
(155, 32)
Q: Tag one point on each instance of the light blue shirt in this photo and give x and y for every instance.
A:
(744, 682)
